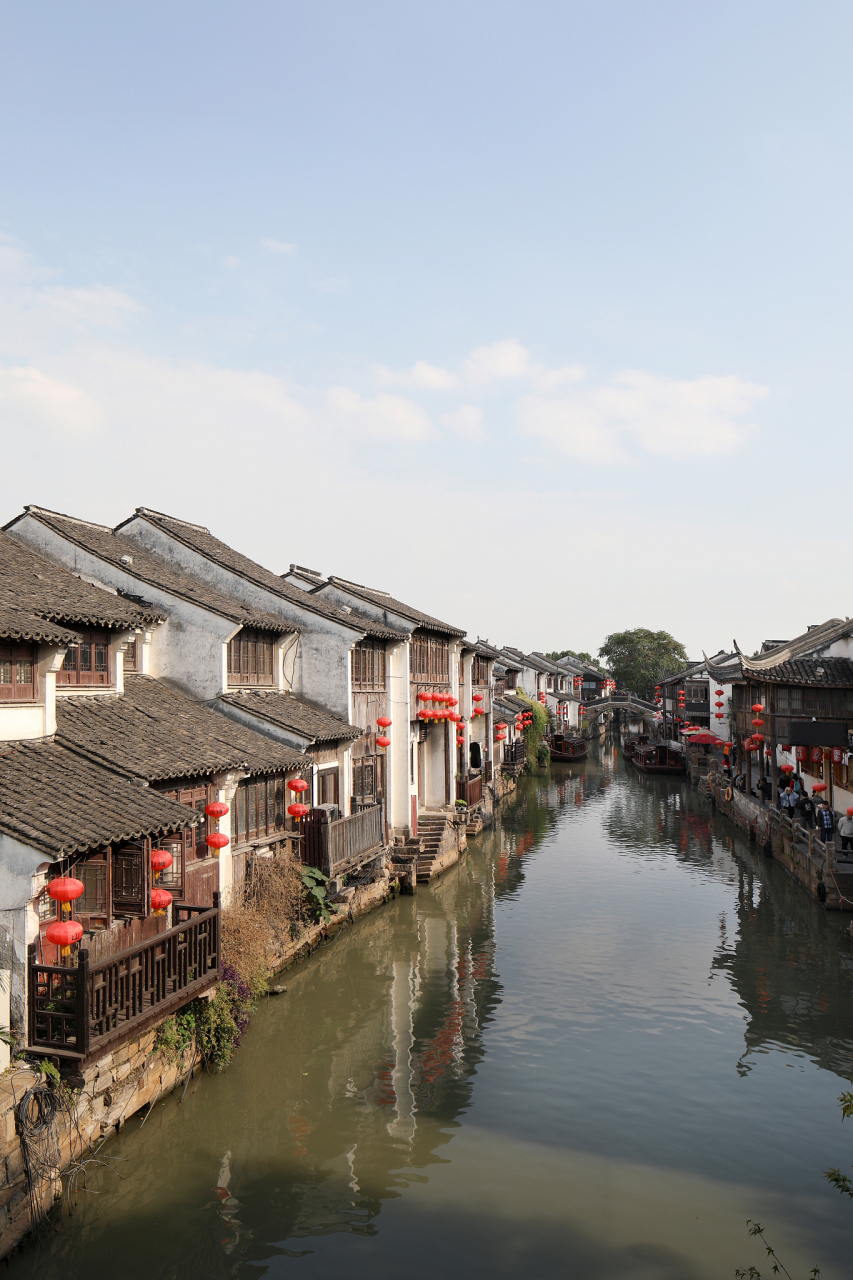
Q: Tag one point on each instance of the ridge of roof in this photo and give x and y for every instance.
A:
(823, 634)
(199, 538)
(385, 600)
(152, 570)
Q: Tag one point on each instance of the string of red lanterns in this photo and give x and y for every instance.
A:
(64, 933)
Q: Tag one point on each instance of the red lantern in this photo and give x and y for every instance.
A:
(787, 768)
(837, 755)
(161, 860)
(460, 741)
(786, 746)
(216, 810)
(216, 840)
(850, 811)
(817, 753)
(423, 696)
(476, 697)
(819, 786)
(757, 706)
(718, 715)
(801, 753)
(298, 811)
(383, 742)
(500, 737)
(758, 737)
(758, 722)
(160, 900)
(65, 889)
(719, 704)
(384, 722)
(718, 692)
(64, 934)
(452, 702)
(298, 785)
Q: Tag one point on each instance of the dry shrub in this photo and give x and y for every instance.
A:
(271, 913)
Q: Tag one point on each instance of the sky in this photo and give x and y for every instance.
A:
(536, 315)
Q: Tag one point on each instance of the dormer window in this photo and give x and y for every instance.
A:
(18, 672)
(251, 658)
(88, 661)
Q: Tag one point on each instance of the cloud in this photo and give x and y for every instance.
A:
(506, 359)
(278, 246)
(385, 417)
(32, 401)
(421, 376)
(467, 420)
(700, 417)
(97, 307)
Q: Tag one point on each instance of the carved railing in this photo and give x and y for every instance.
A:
(82, 1010)
(334, 846)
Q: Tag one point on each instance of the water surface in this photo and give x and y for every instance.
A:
(593, 1049)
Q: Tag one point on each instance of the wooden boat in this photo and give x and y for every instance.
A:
(565, 747)
(657, 757)
(631, 743)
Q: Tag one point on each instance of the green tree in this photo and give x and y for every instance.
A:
(570, 653)
(638, 659)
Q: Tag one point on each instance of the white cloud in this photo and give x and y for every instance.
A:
(700, 417)
(548, 379)
(32, 401)
(421, 376)
(506, 359)
(385, 417)
(278, 246)
(467, 420)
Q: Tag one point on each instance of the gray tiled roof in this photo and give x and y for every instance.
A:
(18, 624)
(810, 642)
(200, 539)
(385, 601)
(826, 672)
(60, 803)
(288, 712)
(156, 732)
(34, 588)
(153, 571)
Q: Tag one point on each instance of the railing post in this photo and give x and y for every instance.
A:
(32, 953)
(82, 1011)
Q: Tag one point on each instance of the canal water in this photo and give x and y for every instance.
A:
(593, 1049)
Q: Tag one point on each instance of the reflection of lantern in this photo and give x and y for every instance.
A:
(216, 841)
(160, 900)
(216, 810)
(64, 934)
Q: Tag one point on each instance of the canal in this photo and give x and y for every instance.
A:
(593, 1049)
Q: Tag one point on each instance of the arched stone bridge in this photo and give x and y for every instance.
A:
(621, 702)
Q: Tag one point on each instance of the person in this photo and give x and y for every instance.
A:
(798, 784)
(845, 830)
(765, 786)
(788, 802)
(824, 822)
(740, 781)
(807, 810)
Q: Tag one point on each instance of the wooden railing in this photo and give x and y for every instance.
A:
(83, 1010)
(515, 752)
(470, 790)
(332, 847)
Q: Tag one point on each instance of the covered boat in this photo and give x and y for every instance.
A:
(632, 742)
(568, 747)
(660, 757)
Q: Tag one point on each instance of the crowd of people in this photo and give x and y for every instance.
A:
(793, 800)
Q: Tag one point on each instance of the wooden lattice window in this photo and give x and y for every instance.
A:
(259, 808)
(18, 672)
(368, 665)
(479, 670)
(430, 660)
(251, 658)
(368, 778)
(93, 900)
(88, 661)
(129, 880)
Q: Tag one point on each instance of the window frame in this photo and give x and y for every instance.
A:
(15, 655)
(79, 676)
(251, 659)
(369, 666)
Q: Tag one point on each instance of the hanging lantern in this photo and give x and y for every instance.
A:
(216, 841)
(718, 715)
(850, 811)
(65, 889)
(64, 934)
(476, 697)
(216, 810)
(161, 860)
(758, 722)
(719, 693)
(819, 786)
(383, 742)
(500, 737)
(801, 753)
(383, 722)
(787, 768)
(298, 811)
(817, 754)
(718, 704)
(423, 696)
(786, 746)
(298, 785)
(451, 701)
(757, 706)
(758, 737)
(160, 900)
(460, 741)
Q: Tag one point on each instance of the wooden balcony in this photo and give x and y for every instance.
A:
(83, 1011)
(470, 789)
(335, 847)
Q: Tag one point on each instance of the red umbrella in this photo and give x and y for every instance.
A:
(706, 740)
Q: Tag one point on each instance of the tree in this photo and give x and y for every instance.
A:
(570, 653)
(638, 659)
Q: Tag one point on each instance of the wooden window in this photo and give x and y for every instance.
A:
(367, 779)
(480, 670)
(88, 661)
(430, 660)
(327, 786)
(838, 702)
(259, 808)
(18, 672)
(368, 665)
(93, 900)
(810, 699)
(796, 699)
(251, 658)
(782, 699)
(173, 877)
(129, 880)
(46, 906)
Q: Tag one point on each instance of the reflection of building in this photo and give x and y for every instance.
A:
(801, 999)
